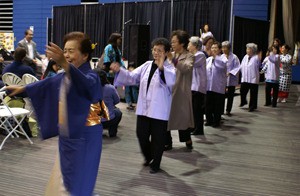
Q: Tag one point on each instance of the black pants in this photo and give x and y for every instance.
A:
(153, 148)
(214, 107)
(230, 97)
(269, 87)
(245, 87)
(198, 100)
(184, 136)
(112, 125)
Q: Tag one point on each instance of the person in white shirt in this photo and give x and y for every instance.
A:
(205, 32)
(250, 76)
(30, 46)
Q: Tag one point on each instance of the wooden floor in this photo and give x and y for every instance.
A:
(254, 153)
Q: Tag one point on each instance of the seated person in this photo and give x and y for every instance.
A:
(5, 58)
(51, 70)
(110, 98)
(17, 67)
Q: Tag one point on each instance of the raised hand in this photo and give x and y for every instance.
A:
(14, 89)
(57, 54)
(115, 67)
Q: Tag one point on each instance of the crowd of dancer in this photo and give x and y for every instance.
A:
(188, 77)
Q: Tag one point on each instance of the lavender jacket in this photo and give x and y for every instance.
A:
(156, 102)
(216, 74)
(272, 68)
(250, 69)
(199, 81)
(233, 68)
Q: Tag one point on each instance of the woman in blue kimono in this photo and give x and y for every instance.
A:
(156, 79)
(67, 105)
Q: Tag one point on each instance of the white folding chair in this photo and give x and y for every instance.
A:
(28, 78)
(18, 115)
(12, 79)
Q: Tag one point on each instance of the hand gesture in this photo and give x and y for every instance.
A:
(14, 89)
(115, 67)
(160, 62)
(57, 54)
(170, 56)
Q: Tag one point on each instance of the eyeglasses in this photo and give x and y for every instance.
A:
(158, 51)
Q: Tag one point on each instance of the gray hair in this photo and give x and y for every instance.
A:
(195, 40)
(252, 46)
(226, 44)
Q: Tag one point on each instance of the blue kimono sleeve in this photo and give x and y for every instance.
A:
(44, 97)
(87, 84)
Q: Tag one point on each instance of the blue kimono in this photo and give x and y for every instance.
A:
(79, 152)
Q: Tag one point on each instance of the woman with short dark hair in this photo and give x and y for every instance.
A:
(271, 70)
(216, 70)
(156, 79)
(67, 105)
(285, 79)
(181, 116)
(111, 99)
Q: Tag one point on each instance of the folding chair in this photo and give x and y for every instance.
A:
(12, 79)
(28, 78)
(18, 115)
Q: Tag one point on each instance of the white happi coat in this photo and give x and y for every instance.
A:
(156, 102)
(250, 69)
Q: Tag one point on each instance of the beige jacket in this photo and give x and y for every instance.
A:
(181, 115)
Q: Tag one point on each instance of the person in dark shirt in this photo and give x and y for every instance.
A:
(110, 98)
(17, 67)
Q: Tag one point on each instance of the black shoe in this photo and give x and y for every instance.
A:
(228, 114)
(242, 104)
(131, 107)
(251, 109)
(208, 124)
(189, 145)
(146, 163)
(112, 135)
(168, 147)
(154, 170)
(197, 133)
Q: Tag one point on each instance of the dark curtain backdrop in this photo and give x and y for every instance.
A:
(102, 20)
(67, 19)
(192, 15)
(249, 30)
(157, 14)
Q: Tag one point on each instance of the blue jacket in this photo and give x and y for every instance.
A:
(18, 68)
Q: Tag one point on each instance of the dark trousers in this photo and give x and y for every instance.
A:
(112, 125)
(269, 87)
(151, 134)
(230, 97)
(214, 107)
(184, 136)
(198, 100)
(245, 87)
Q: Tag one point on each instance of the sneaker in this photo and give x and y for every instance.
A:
(283, 100)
